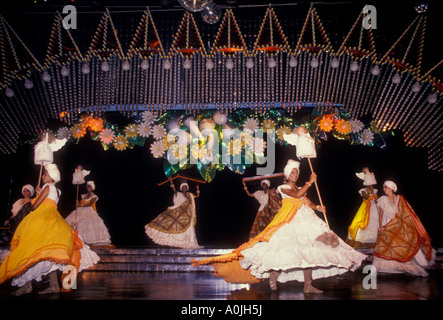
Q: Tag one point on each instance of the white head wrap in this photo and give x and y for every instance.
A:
(291, 165)
(53, 172)
(91, 183)
(390, 184)
(267, 182)
(184, 184)
(28, 187)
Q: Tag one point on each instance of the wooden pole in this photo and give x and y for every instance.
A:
(40, 174)
(318, 193)
(76, 199)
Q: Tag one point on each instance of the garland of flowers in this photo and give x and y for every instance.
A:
(178, 154)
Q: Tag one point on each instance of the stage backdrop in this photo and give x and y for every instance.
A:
(129, 196)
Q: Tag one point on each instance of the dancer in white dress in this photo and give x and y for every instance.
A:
(175, 226)
(290, 247)
(86, 220)
(403, 245)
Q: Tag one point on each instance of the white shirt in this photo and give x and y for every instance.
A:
(54, 193)
(389, 208)
(262, 198)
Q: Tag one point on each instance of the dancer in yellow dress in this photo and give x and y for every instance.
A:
(44, 243)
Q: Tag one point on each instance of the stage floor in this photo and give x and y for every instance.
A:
(93, 285)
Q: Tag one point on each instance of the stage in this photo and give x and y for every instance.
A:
(166, 274)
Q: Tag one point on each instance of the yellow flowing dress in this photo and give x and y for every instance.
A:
(43, 235)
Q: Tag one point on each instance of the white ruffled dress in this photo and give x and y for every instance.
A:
(293, 248)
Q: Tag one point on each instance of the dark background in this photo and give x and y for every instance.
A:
(129, 196)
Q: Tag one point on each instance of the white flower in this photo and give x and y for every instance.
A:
(157, 149)
(63, 133)
(177, 152)
(258, 145)
(366, 137)
(250, 125)
(107, 136)
(158, 132)
(148, 117)
(356, 126)
(144, 130)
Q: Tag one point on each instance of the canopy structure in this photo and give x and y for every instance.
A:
(258, 59)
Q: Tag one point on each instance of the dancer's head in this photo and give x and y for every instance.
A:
(291, 170)
(184, 187)
(265, 184)
(27, 191)
(51, 173)
(389, 187)
(90, 186)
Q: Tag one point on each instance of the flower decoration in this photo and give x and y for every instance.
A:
(120, 143)
(356, 126)
(343, 127)
(251, 125)
(63, 133)
(131, 130)
(157, 149)
(94, 124)
(106, 136)
(258, 145)
(199, 152)
(235, 147)
(177, 152)
(366, 137)
(268, 125)
(246, 137)
(78, 130)
(282, 131)
(144, 130)
(148, 117)
(326, 123)
(158, 132)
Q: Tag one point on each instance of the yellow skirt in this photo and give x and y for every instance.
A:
(43, 235)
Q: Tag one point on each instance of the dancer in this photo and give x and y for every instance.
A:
(44, 243)
(86, 221)
(270, 203)
(364, 227)
(14, 220)
(403, 245)
(289, 248)
(175, 226)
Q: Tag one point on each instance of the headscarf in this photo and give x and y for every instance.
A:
(267, 182)
(92, 184)
(390, 184)
(289, 166)
(53, 172)
(28, 187)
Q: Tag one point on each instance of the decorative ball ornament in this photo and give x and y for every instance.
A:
(126, 65)
(272, 63)
(105, 66)
(432, 98)
(46, 77)
(416, 87)
(314, 63)
(209, 64)
(9, 92)
(249, 63)
(193, 5)
(375, 71)
(335, 63)
(229, 64)
(211, 13)
(28, 84)
(293, 62)
(396, 78)
(187, 64)
(421, 8)
(167, 64)
(220, 118)
(354, 66)
(144, 65)
(86, 69)
(64, 71)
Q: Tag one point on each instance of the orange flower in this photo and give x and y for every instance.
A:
(343, 127)
(326, 123)
(78, 130)
(95, 124)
